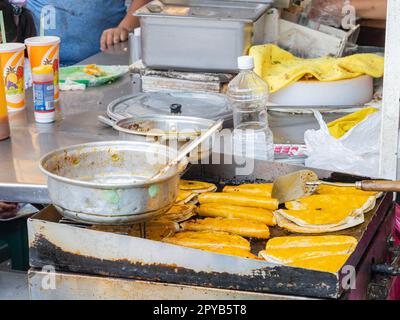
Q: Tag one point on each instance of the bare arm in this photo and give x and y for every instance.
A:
(4, 206)
(330, 11)
(120, 33)
(370, 9)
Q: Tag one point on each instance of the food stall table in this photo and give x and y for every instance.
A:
(21, 180)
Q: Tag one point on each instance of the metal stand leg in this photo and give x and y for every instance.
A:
(15, 234)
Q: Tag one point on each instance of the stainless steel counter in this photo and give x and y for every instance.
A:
(20, 178)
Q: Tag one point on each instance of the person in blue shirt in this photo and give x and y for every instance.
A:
(87, 26)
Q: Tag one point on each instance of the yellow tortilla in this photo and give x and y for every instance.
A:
(332, 263)
(310, 241)
(327, 189)
(259, 215)
(260, 190)
(232, 252)
(239, 199)
(323, 253)
(178, 213)
(185, 196)
(317, 217)
(332, 201)
(288, 225)
(206, 239)
(289, 255)
(196, 186)
(156, 230)
(242, 227)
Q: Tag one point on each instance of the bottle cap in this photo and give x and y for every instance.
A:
(137, 32)
(45, 117)
(246, 63)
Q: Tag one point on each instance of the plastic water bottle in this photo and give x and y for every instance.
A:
(249, 95)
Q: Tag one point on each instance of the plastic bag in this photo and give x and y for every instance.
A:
(297, 43)
(328, 12)
(357, 152)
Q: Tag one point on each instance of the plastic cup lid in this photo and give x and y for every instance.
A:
(40, 41)
(11, 46)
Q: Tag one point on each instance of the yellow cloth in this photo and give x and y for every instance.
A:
(339, 127)
(280, 68)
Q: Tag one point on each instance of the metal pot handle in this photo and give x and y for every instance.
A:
(106, 120)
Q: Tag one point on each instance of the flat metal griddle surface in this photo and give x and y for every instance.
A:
(357, 232)
(74, 249)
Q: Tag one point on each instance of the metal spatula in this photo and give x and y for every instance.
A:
(305, 182)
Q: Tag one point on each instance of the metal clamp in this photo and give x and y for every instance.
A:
(392, 268)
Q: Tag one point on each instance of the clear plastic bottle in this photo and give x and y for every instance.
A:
(249, 95)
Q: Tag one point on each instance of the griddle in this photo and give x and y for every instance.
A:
(70, 248)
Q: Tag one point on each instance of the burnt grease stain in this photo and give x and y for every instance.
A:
(277, 280)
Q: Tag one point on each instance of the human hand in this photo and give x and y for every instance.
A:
(328, 12)
(4, 206)
(113, 36)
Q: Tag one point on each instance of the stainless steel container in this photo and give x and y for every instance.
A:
(172, 131)
(104, 182)
(196, 34)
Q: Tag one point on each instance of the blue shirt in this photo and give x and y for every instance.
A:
(79, 24)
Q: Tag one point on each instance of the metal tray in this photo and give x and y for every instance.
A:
(73, 249)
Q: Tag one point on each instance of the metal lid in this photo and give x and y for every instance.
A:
(201, 105)
(242, 10)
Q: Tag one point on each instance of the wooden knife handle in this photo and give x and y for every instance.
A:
(380, 185)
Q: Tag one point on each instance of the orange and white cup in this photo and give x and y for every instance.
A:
(12, 59)
(45, 51)
(4, 124)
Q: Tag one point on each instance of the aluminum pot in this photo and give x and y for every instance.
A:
(172, 131)
(104, 182)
